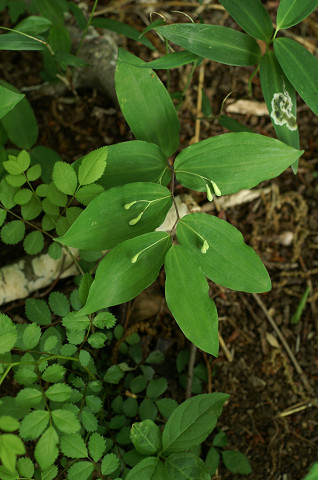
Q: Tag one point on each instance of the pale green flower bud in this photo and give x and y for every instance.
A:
(128, 205)
(216, 189)
(205, 247)
(136, 220)
(209, 193)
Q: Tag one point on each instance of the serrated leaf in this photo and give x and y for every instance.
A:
(110, 463)
(192, 421)
(6, 474)
(75, 322)
(33, 243)
(55, 196)
(114, 374)
(130, 407)
(46, 450)
(33, 424)
(25, 467)
(138, 384)
(53, 373)
(147, 410)
(73, 446)
(37, 311)
(7, 193)
(84, 358)
(16, 180)
(59, 304)
(214, 42)
(66, 421)
(236, 462)
(96, 446)
(254, 157)
(94, 403)
(104, 320)
(32, 209)
(187, 296)
(185, 466)
(212, 460)
(119, 214)
(166, 406)
(300, 67)
(10, 446)
(29, 397)
(49, 473)
(97, 339)
(227, 260)
(137, 89)
(60, 392)
(87, 193)
(3, 215)
(23, 196)
(8, 333)
(8, 100)
(8, 423)
(291, 12)
(89, 420)
(148, 469)
(31, 336)
(92, 166)
(13, 232)
(80, 471)
(156, 387)
(55, 251)
(64, 177)
(34, 172)
(252, 16)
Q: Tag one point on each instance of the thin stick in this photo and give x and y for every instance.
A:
(199, 105)
(193, 352)
(226, 351)
(285, 345)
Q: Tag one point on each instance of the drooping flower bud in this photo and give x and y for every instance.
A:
(135, 258)
(208, 193)
(216, 189)
(136, 220)
(128, 205)
(205, 247)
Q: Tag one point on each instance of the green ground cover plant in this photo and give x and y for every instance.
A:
(112, 200)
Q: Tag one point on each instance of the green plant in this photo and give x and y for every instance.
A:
(235, 461)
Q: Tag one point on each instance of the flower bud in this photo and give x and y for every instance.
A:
(204, 247)
(136, 220)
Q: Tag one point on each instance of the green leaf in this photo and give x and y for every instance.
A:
(135, 161)
(312, 475)
(146, 437)
(291, 12)
(127, 270)
(252, 16)
(114, 374)
(34, 172)
(280, 98)
(232, 124)
(226, 260)
(66, 421)
(172, 60)
(78, 14)
(15, 180)
(17, 41)
(148, 469)
(59, 304)
(47, 158)
(33, 25)
(49, 473)
(23, 196)
(33, 424)
(50, 10)
(94, 403)
(97, 339)
(60, 39)
(212, 460)
(122, 29)
(192, 421)
(55, 196)
(89, 420)
(137, 91)
(64, 177)
(110, 463)
(104, 320)
(8, 100)
(46, 450)
(80, 471)
(20, 123)
(185, 466)
(73, 446)
(118, 214)
(138, 384)
(300, 67)
(130, 407)
(10, 447)
(84, 358)
(253, 157)
(3, 215)
(8, 333)
(156, 387)
(33, 243)
(187, 295)
(166, 406)
(7, 193)
(60, 392)
(86, 194)
(53, 373)
(37, 311)
(74, 322)
(214, 42)
(236, 462)
(13, 232)
(147, 410)
(29, 397)
(92, 166)
(8, 423)
(31, 336)
(25, 467)
(55, 251)
(32, 209)
(96, 446)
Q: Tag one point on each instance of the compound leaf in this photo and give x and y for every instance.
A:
(254, 158)
(300, 67)
(33, 243)
(119, 214)
(110, 463)
(66, 421)
(13, 232)
(227, 260)
(64, 177)
(73, 446)
(92, 166)
(33, 424)
(138, 90)
(188, 299)
(192, 421)
(46, 450)
(96, 446)
(31, 336)
(214, 42)
(37, 311)
(127, 270)
(60, 392)
(291, 12)
(25, 467)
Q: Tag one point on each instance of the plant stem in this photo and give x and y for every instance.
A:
(251, 78)
(5, 374)
(89, 21)
(179, 105)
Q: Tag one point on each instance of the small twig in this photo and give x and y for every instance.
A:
(226, 351)
(208, 367)
(281, 337)
(193, 352)
(199, 105)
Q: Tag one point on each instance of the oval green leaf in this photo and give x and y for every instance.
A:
(187, 296)
(291, 12)
(150, 468)
(221, 44)
(118, 214)
(252, 16)
(301, 69)
(146, 104)
(192, 421)
(121, 276)
(186, 465)
(227, 261)
(254, 158)
(8, 100)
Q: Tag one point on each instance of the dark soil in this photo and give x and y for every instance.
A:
(272, 414)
